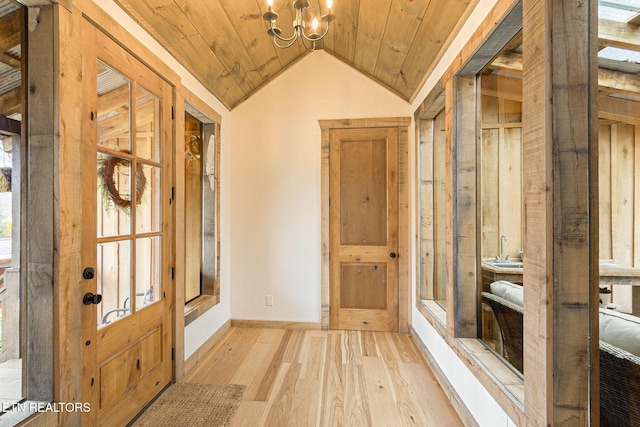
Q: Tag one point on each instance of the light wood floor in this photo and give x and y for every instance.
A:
(329, 379)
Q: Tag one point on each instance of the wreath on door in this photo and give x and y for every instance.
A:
(107, 172)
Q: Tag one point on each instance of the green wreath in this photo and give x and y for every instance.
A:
(110, 189)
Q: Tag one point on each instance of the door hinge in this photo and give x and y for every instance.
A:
(173, 113)
(173, 354)
(173, 195)
(173, 273)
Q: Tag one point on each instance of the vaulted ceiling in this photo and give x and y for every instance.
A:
(224, 43)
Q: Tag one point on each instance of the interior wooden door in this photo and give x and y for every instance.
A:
(363, 228)
(126, 196)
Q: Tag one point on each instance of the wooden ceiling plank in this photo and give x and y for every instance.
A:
(440, 19)
(246, 18)
(212, 23)
(405, 18)
(341, 39)
(372, 20)
(166, 22)
(11, 102)
(618, 34)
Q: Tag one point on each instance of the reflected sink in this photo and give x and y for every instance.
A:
(502, 264)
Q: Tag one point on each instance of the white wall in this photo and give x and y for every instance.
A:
(275, 183)
(482, 406)
(200, 330)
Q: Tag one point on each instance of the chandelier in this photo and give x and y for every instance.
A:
(298, 26)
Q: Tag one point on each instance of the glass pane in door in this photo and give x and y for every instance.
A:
(148, 262)
(147, 125)
(114, 109)
(114, 281)
(148, 196)
(114, 196)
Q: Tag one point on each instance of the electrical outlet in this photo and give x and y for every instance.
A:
(269, 300)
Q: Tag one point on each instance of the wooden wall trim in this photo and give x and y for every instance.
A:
(404, 214)
(204, 349)
(275, 324)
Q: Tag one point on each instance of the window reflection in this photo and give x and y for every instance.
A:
(501, 203)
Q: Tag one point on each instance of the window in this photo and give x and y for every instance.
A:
(501, 203)
(619, 211)
(201, 207)
(432, 202)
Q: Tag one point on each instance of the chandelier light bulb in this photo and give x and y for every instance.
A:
(314, 24)
(270, 3)
(329, 4)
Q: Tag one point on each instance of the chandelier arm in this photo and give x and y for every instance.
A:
(304, 43)
(285, 46)
(284, 39)
(326, 30)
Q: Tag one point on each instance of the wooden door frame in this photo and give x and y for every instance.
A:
(404, 247)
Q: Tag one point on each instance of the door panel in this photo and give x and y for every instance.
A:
(364, 228)
(126, 196)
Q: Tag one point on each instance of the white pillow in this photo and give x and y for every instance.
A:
(620, 330)
(509, 291)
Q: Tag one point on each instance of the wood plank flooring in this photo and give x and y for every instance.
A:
(326, 379)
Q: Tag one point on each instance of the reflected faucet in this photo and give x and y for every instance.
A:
(503, 239)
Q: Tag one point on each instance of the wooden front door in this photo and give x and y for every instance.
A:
(364, 228)
(126, 207)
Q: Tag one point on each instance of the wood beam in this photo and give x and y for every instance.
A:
(619, 110)
(463, 130)
(10, 26)
(8, 125)
(560, 133)
(11, 102)
(618, 34)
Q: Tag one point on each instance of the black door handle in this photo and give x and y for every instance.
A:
(90, 298)
(393, 255)
(88, 273)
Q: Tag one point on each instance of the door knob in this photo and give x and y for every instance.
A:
(88, 273)
(90, 298)
(393, 255)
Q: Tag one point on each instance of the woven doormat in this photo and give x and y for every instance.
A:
(192, 405)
